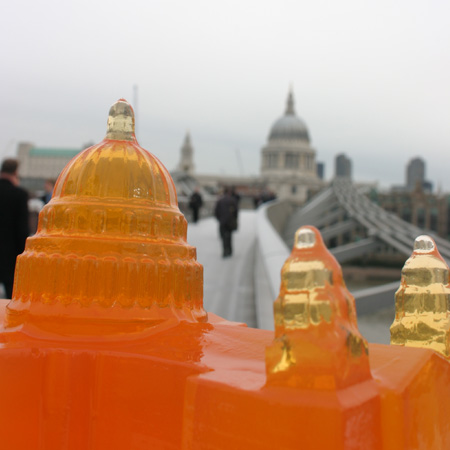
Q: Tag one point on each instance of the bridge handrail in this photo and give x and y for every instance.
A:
(271, 253)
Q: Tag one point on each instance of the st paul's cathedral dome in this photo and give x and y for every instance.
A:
(289, 126)
(288, 162)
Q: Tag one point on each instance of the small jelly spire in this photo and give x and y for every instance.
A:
(120, 125)
(110, 254)
(422, 302)
(317, 342)
(305, 238)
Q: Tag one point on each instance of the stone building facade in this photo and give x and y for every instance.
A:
(39, 164)
(288, 162)
(343, 167)
(419, 207)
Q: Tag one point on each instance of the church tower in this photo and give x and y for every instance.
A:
(186, 163)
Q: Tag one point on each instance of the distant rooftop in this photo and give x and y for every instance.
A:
(62, 152)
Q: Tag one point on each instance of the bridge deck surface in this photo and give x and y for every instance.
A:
(228, 282)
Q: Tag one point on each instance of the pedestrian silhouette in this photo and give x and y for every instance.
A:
(226, 212)
(13, 223)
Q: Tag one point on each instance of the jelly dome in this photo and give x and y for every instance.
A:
(117, 168)
(111, 244)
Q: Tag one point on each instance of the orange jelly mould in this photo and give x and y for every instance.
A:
(110, 253)
(106, 345)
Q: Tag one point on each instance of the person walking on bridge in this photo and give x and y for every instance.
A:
(195, 203)
(226, 212)
(13, 222)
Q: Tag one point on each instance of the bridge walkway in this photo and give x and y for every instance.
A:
(228, 282)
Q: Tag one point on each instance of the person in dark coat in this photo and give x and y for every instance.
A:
(48, 191)
(195, 203)
(235, 194)
(226, 212)
(13, 222)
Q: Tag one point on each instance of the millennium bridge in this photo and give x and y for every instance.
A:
(243, 288)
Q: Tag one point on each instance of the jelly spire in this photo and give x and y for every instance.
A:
(120, 125)
(422, 302)
(317, 342)
(110, 253)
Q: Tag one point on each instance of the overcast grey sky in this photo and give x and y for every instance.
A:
(371, 78)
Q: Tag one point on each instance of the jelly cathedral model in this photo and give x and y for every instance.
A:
(106, 345)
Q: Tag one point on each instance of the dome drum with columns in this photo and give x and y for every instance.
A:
(288, 161)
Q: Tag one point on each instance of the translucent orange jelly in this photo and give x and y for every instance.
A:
(318, 344)
(110, 252)
(106, 345)
(422, 301)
